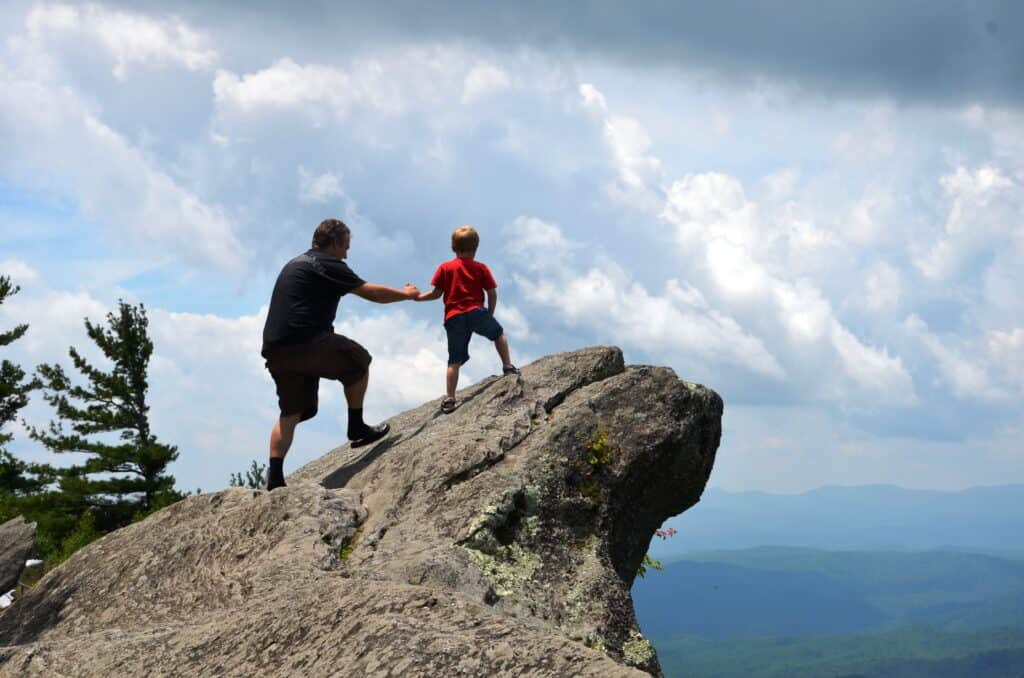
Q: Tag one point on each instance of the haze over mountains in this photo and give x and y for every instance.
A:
(867, 517)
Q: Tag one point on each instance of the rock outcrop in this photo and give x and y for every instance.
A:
(17, 544)
(499, 540)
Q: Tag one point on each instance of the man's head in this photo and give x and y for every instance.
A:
(332, 235)
(465, 240)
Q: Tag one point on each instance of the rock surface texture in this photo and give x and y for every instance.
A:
(499, 540)
(17, 544)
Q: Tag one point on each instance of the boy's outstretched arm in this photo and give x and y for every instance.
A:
(435, 293)
(492, 300)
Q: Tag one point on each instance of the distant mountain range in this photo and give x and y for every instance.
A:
(784, 611)
(795, 592)
(864, 517)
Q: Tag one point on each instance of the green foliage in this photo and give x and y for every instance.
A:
(16, 477)
(255, 477)
(84, 533)
(648, 562)
(118, 480)
(348, 545)
(599, 451)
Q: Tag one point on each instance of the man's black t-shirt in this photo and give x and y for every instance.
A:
(305, 298)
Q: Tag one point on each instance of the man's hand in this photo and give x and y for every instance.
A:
(411, 291)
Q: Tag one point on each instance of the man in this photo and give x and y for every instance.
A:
(300, 346)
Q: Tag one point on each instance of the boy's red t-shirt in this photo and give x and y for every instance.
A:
(463, 282)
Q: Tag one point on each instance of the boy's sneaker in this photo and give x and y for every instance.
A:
(448, 405)
(372, 435)
(510, 369)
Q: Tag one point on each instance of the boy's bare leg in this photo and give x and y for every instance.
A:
(452, 379)
(501, 343)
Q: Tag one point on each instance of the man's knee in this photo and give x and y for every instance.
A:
(290, 421)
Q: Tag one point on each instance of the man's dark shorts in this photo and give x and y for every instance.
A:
(462, 326)
(297, 370)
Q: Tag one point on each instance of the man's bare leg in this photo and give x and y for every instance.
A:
(356, 391)
(280, 441)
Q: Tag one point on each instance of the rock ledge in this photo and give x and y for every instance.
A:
(499, 540)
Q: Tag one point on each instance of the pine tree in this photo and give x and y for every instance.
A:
(16, 477)
(13, 387)
(118, 481)
(255, 477)
(23, 486)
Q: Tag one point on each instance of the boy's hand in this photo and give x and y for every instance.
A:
(412, 292)
(435, 293)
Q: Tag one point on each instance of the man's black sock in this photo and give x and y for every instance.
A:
(275, 474)
(356, 425)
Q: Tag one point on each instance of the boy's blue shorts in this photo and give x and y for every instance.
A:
(462, 326)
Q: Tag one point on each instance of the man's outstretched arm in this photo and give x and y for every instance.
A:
(382, 294)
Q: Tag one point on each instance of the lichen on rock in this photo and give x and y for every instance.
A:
(637, 651)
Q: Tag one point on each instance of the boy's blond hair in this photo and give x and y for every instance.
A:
(465, 239)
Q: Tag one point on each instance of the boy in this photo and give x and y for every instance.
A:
(463, 282)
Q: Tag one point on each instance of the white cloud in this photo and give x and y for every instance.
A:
(513, 321)
(389, 84)
(537, 244)
(713, 207)
(986, 206)
(968, 378)
(747, 260)
(881, 289)
(873, 370)
(54, 320)
(871, 142)
(285, 84)
(593, 99)
(483, 81)
(781, 184)
(129, 38)
(52, 140)
(18, 271)
(1006, 356)
(320, 188)
(639, 171)
(609, 303)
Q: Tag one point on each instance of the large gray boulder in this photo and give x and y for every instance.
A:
(500, 540)
(17, 544)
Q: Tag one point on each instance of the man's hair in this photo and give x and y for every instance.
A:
(465, 239)
(329, 232)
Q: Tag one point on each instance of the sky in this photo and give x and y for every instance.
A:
(816, 210)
